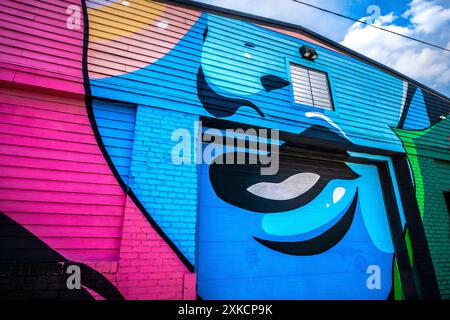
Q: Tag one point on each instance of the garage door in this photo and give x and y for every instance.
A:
(316, 230)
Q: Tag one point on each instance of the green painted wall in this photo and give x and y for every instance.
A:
(429, 156)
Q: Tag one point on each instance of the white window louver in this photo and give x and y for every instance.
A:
(310, 87)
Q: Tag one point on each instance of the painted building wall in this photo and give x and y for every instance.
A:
(87, 117)
(60, 202)
(429, 156)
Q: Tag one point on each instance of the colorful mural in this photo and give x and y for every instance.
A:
(248, 81)
(105, 195)
(60, 203)
(290, 250)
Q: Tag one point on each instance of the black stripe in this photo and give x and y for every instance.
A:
(423, 264)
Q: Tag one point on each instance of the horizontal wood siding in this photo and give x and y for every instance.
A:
(53, 178)
(124, 65)
(37, 46)
(116, 122)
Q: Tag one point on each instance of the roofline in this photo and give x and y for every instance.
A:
(311, 33)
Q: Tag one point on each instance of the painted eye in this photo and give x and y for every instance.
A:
(297, 182)
(290, 188)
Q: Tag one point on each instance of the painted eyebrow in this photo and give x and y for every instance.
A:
(249, 44)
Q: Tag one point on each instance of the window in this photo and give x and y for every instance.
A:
(311, 87)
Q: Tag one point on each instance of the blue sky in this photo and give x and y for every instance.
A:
(428, 20)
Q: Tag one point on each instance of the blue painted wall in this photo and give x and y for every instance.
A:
(168, 191)
(138, 141)
(115, 123)
(219, 64)
(361, 93)
(232, 265)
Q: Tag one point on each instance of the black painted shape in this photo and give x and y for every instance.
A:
(314, 146)
(423, 265)
(397, 233)
(436, 107)
(271, 82)
(29, 268)
(231, 181)
(391, 295)
(37, 281)
(217, 104)
(319, 244)
(447, 201)
(205, 34)
(19, 244)
(321, 133)
(409, 96)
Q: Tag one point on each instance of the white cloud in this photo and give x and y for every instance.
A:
(423, 63)
(427, 16)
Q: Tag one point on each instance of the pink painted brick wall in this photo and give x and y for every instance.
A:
(56, 183)
(147, 267)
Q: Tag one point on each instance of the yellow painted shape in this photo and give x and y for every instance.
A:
(117, 20)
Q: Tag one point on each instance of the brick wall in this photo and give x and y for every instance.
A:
(429, 156)
(60, 204)
(436, 220)
(167, 190)
(37, 280)
(147, 267)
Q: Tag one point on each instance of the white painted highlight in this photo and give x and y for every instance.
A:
(290, 188)
(312, 114)
(405, 90)
(125, 3)
(162, 24)
(338, 193)
(248, 55)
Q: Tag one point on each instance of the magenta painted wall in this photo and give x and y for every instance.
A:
(54, 179)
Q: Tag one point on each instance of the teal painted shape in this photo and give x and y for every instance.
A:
(372, 206)
(393, 178)
(417, 117)
(315, 217)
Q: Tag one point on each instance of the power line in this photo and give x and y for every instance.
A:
(371, 25)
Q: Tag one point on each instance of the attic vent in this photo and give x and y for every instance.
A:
(311, 87)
